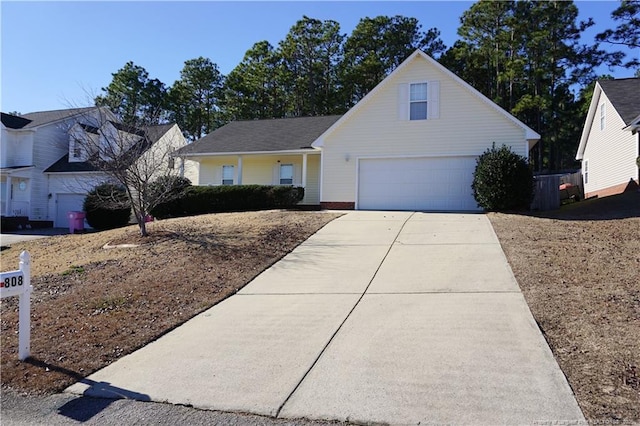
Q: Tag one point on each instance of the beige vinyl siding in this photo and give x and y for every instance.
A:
(264, 170)
(465, 125)
(611, 152)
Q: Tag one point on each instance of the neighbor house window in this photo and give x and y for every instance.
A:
(227, 175)
(602, 116)
(172, 163)
(585, 171)
(286, 174)
(418, 101)
(76, 152)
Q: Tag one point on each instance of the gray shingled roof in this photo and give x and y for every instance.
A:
(282, 134)
(44, 117)
(63, 165)
(154, 133)
(624, 94)
(13, 121)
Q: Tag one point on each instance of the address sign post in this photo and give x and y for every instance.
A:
(18, 283)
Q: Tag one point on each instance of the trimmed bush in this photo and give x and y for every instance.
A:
(502, 180)
(107, 206)
(228, 198)
(169, 190)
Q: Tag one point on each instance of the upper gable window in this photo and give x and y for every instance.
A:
(418, 94)
(77, 152)
(602, 116)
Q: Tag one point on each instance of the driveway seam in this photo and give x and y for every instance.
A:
(313, 364)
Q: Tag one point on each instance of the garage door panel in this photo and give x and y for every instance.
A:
(428, 183)
(66, 203)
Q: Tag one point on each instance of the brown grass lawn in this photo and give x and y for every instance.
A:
(579, 269)
(91, 306)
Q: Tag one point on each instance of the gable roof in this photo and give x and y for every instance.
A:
(272, 135)
(153, 135)
(13, 121)
(64, 166)
(623, 95)
(41, 118)
(530, 134)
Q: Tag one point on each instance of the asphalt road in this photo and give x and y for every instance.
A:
(67, 409)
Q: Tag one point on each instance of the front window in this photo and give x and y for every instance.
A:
(418, 101)
(286, 174)
(227, 175)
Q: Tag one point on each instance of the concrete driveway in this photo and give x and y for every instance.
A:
(390, 317)
(30, 234)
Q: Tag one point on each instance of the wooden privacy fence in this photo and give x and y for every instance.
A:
(547, 189)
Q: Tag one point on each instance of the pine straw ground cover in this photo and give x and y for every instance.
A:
(579, 270)
(91, 305)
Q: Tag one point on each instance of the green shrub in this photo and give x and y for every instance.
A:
(107, 206)
(165, 192)
(502, 180)
(227, 198)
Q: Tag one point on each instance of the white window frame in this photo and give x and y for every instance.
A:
(603, 114)
(285, 180)
(424, 101)
(225, 178)
(585, 170)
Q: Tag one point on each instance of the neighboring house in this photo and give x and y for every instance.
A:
(410, 144)
(45, 169)
(610, 142)
(29, 144)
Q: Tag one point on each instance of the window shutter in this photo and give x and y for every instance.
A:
(403, 102)
(434, 100)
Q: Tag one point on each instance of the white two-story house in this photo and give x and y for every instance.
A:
(45, 170)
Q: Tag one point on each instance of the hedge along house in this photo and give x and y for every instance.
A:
(410, 144)
(262, 152)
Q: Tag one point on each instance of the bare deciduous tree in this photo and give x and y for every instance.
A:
(137, 158)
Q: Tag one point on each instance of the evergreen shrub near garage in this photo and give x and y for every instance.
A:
(502, 180)
(170, 189)
(231, 198)
(107, 207)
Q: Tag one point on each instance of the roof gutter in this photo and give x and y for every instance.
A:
(309, 150)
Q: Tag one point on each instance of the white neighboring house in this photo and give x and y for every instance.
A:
(410, 144)
(45, 172)
(610, 142)
(28, 145)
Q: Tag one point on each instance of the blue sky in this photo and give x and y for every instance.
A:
(60, 54)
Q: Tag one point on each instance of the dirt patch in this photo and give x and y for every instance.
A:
(579, 269)
(91, 305)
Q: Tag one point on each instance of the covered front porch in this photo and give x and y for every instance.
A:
(15, 191)
(297, 168)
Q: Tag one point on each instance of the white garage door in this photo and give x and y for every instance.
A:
(434, 183)
(67, 203)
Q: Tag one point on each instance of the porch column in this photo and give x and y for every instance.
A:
(7, 201)
(304, 170)
(239, 169)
